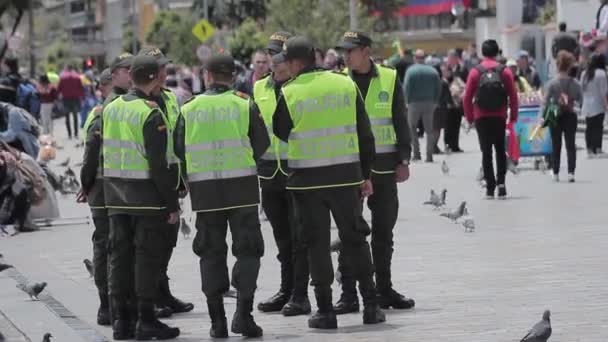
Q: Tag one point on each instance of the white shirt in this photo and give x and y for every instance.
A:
(603, 20)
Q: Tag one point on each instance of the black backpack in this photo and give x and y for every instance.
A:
(491, 94)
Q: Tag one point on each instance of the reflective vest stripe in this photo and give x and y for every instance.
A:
(125, 144)
(323, 132)
(229, 143)
(381, 121)
(386, 148)
(269, 155)
(305, 163)
(126, 174)
(221, 174)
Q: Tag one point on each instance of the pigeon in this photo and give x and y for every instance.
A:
(541, 331)
(468, 223)
(65, 162)
(185, 228)
(445, 169)
(434, 200)
(5, 267)
(335, 246)
(230, 293)
(47, 337)
(456, 214)
(89, 266)
(444, 194)
(32, 290)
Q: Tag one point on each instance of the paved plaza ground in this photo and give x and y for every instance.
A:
(544, 247)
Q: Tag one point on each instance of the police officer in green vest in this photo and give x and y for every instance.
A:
(121, 78)
(385, 105)
(167, 101)
(92, 192)
(141, 198)
(225, 136)
(331, 150)
(292, 298)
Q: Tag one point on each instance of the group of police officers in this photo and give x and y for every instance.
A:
(317, 142)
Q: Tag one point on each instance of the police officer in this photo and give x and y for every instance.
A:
(292, 298)
(225, 135)
(92, 192)
(385, 106)
(167, 101)
(141, 198)
(331, 149)
(92, 187)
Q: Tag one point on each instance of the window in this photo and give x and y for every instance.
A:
(77, 6)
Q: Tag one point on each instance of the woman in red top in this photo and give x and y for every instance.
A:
(48, 96)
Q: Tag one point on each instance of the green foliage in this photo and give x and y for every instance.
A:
(322, 21)
(58, 55)
(127, 40)
(247, 38)
(172, 33)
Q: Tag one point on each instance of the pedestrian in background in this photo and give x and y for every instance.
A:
(260, 63)
(564, 41)
(563, 93)
(71, 93)
(528, 71)
(595, 103)
(489, 93)
(48, 96)
(422, 89)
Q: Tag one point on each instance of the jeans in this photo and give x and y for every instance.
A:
(71, 106)
(416, 111)
(491, 134)
(594, 132)
(566, 125)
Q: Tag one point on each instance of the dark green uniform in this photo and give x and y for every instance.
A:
(92, 186)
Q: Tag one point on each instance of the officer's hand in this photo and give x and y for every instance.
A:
(173, 217)
(402, 173)
(367, 189)
(182, 193)
(81, 197)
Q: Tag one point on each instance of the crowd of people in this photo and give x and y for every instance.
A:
(314, 132)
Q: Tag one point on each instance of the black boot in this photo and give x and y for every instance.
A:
(121, 326)
(162, 311)
(347, 304)
(274, 303)
(325, 317)
(390, 298)
(150, 328)
(103, 313)
(219, 327)
(373, 315)
(371, 311)
(167, 299)
(242, 321)
(297, 305)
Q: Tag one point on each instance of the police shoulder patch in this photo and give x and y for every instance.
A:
(151, 104)
(241, 94)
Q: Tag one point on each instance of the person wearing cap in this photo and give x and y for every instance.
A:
(260, 67)
(167, 303)
(224, 137)
(292, 297)
(92, 193)
(521, 83)
(528, 71)
(121, 78)
(385, 106)
(141, 199)
(422, 90)
(322, 117)
(459, 72)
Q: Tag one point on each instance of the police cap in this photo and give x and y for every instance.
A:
(155, 52)
(354, 39)
(105, 77)
(145, 67)
(276, 41)
(221, 64)
(124, 60)
(298, 47)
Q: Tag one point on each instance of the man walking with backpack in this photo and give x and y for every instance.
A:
(489, 93)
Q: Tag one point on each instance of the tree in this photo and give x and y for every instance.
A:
(247, 38)
(324, 23)
(230, 12)
(172, 33)
(17, 9)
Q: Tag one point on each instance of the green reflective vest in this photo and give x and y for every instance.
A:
(216, 138)
(124, 155)
(324, 120)
(172, 107)
(379, 107)
(266, 100)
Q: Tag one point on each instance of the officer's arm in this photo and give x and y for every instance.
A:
(401, 125)
(90, 160)
(367, 144)
(258, 134)
(281, 121)
(179, 145)
(155, 143)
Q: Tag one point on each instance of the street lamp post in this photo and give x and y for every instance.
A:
(352, 11)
